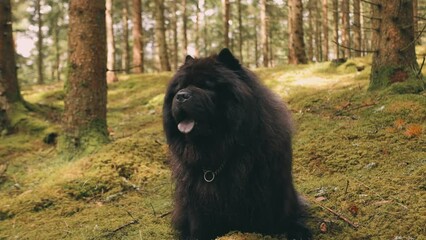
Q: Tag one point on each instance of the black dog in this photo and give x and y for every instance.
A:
(231, 155)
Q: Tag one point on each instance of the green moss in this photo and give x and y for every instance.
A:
(341, 131)
(88, 139)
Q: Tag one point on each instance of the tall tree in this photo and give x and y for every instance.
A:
(138, 43)
(416, 20)
(318, 28)
(346, 34)
(240, 31)
(40, 77)
(336, 28)
(325, 49)
(125, 41)
(160, 35)
(311, 20)
(111, 76)
(8, 76)
(84, 118)
(264, 30)
(184, 27)
(296, 45)
(394, 59)
(226, 17)
(9, 88)
(175, 36)
(357, 27)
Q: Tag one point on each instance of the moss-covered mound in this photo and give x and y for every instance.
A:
(360, 161)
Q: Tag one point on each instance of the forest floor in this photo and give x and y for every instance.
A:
(359, 161)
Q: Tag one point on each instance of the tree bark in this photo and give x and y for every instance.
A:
(8, 76)
(111, 76)
(395, 57)
(318, 28)
(226, 15)
(175, 37)
(84, 117)
(240, 31)
(336, 28)
(125, 42)
(325, 49)
(138, 43)
(416, 20)
(197, 29)
(40, 74)
(264, 30)
(357, 27)
(184, 28)
(346, 34)
(160, 35)
(296, 53)
(310, 43)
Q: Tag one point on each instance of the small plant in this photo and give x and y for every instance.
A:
(413, 130)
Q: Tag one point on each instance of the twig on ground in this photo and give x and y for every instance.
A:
(340, 216)
(165, 214)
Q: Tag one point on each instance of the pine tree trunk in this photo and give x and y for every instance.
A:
(318, 39)
(197, 30)
(325, 49)
(125, 42)
(256, 43)
(8, 76)
(346, 34)
(175, 37)
(310, 43)
(296, 53)
(184, 28)
(357, 27)
(40, 74)
(336, 28)
(416, 20)
(57, 54)
(160, 35)
(138, 43)
(111, 76)
(84, 117)
(264, 29)
(395, 58)
(226, 16)
(240, 31)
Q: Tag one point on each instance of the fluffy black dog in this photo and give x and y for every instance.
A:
(231, 155)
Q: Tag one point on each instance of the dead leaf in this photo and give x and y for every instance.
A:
(323, 227)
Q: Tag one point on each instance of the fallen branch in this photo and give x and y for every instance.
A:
(165, 214)
(134, 221)
(340, 216)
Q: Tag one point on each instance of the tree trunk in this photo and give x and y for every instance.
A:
(138, 43)
(325, 49)
(125, 42)
(240, 31)
(395, 57)
(296, 53)
(336, 28)
(184, 28)
(346, 34)
(256, 48)
(311, 19)
(357, 27)
(175, 37)
(264, 29)
(111, 76)
(84, 117)
(226, 15)
(40, 66)
(8, 76)
(318, 45)
(416, 20)
(197, 29)
(160, 35)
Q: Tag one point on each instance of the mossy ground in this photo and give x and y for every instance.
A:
(359, 153)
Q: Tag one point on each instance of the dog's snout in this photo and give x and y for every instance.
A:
(183, 96)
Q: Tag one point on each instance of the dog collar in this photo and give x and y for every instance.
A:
(210, 175)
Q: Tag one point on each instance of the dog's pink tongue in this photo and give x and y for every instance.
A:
(186, 126)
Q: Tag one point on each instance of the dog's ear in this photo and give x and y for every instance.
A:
(188, 59)
(226, 58)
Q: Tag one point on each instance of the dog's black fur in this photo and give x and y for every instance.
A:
(231, 125)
